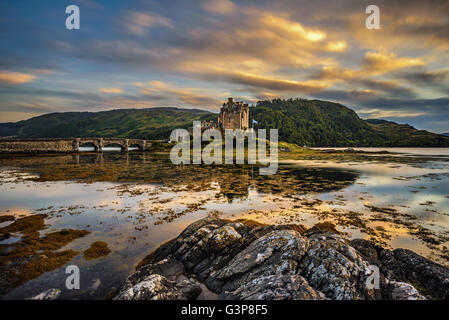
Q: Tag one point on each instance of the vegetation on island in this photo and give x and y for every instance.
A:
(318, 123)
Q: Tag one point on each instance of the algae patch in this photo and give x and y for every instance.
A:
(33, 255)
(96, 250)
(6, 218)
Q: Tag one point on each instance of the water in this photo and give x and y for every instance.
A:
(404, 151)
(136, 201)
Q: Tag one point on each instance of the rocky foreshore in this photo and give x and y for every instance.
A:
(222, 259)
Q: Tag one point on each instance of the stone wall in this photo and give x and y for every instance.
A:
(67, 145)
(41, 145)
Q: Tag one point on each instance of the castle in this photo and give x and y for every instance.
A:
(234, 115)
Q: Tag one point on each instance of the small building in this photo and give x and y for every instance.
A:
(204, 126)
(234, 115)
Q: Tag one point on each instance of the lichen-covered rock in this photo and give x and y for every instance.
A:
(157, 287)
(336, 269)
(214, 258)
(275, 287)
(50, 294)
(284, 244)
(164, 280)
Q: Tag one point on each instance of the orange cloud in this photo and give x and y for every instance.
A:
(10, 77)
(337, 46)
(378, 63)
(292, 29)
(110, 90)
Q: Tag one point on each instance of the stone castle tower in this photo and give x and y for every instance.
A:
(234, 115)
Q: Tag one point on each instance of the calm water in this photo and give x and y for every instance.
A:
(403, 151)
(136, 201)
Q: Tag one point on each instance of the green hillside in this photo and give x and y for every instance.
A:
(313, 122)
(404, 135)
(300, 121)
(324, 123)
(154, 123)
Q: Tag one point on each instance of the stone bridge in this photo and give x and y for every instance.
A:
(70, 144)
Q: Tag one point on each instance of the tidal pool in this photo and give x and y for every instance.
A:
(136, 201)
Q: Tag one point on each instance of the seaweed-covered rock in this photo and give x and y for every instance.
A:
(214, 258)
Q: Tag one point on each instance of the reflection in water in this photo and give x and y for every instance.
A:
(133, 202)
(234, 180)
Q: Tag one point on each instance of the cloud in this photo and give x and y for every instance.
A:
(378, 62)
(10, 77)
(110, 90)
(263, 82)
(286, 27)
(184, 97)
(337, 46)
(427, 78)
(219, 6)
(380, 114)
(139, 22)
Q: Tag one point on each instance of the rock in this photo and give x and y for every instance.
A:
(404, 265)
(336, 269)
(214, 258)
(164, 280)
(50, 294)
(152, 287)
(404, 291)
(431, 277)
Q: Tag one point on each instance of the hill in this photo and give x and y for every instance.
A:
(446, 134)
(404, 135)
(304, 122)
(152, 123)
(324, 123)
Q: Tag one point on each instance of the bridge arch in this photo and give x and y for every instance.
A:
(89, 144)
(136, 145)
(122, 146)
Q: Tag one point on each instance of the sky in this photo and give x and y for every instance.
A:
(195, 54)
